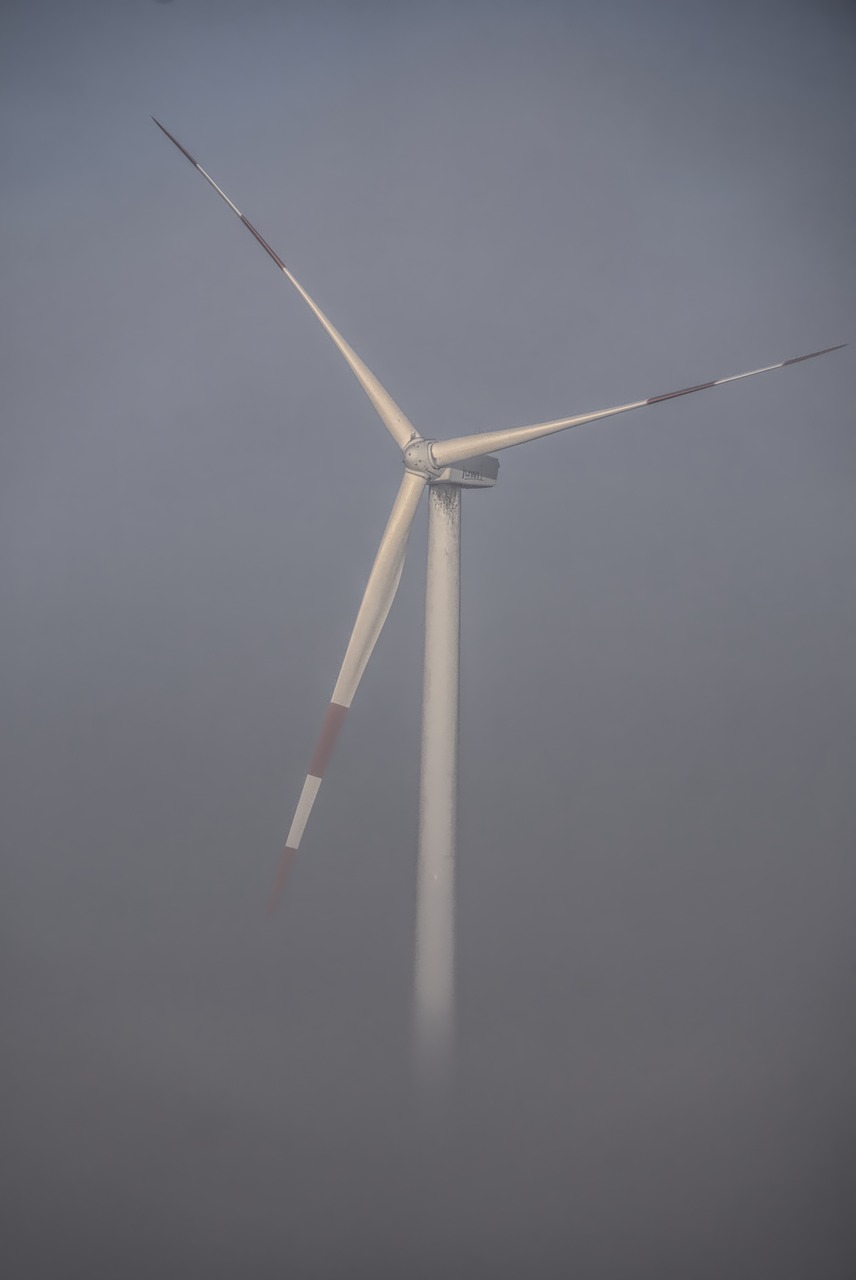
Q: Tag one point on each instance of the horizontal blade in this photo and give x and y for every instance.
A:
(377, 599)
(445, 452)
(395, 421)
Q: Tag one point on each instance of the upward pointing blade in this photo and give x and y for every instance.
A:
(397, 424)
(445, 452)
(377, 600)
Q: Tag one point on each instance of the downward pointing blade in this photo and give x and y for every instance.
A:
(377, 600)
(446, 452)
(395, 421)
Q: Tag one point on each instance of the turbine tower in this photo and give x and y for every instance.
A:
(444, 467)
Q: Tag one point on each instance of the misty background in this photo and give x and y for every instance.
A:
(514, 212)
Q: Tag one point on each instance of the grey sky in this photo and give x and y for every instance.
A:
(514, 212)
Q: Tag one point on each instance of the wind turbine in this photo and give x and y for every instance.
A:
(444, 467)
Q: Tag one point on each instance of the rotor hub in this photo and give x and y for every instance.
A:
(419, 459)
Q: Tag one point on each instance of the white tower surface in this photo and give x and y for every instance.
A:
(434, 992)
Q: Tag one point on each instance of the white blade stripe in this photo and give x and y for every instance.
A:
(392, 417)
(326, 741)
(303, 810)
(446, 452)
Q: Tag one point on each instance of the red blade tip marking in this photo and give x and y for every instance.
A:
(286, 863)
(329, 733)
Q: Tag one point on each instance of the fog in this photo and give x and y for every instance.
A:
(514, 212)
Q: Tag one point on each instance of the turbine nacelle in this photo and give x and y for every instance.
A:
(478, 472)
(472, 473)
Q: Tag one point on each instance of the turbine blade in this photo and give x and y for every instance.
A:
(397, 424)
(377, 599)
(445, 452)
